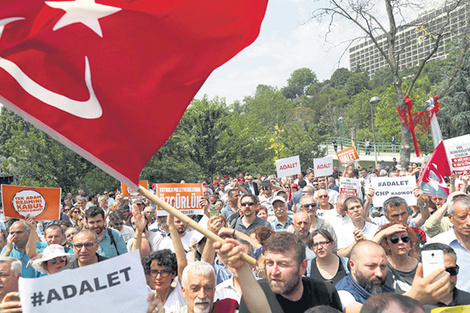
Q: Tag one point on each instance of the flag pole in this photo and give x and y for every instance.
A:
(171, 210)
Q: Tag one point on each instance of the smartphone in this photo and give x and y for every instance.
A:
(431, 260)
(214, 210)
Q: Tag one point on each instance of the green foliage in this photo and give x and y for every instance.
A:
(298, 83)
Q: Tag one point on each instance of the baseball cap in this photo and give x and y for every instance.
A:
(279, 198)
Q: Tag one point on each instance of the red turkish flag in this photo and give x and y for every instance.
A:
(431, 181)
(111, 79)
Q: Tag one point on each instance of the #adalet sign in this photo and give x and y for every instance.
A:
(347, 156)
(386, 187)
(40, 203)
(129, 192)
(288, 166)
(186, 198)
(323, 166)
(113, 285)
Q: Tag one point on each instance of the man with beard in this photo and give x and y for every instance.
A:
(185, 235)
(368, 264)
(232, 203)
(111, 243)
(248, 220)
(286, 288)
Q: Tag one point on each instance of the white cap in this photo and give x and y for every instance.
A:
(49, 253)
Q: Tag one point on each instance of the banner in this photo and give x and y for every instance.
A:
(129, 192)
(431, 180)
(288, 166)
(323, 166)
(113, 285)
(350, 187)
(386, 187)
(347, 156)
(186, 197)
(40, 203)
(458, 153)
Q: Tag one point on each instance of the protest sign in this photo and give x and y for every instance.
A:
(288, 166)
(458, 153)
(113, 285)
(348, 155)
(186, 197)
(129, 192)
(350, 187)
(386, 187)
(323, 166)
(40, 203)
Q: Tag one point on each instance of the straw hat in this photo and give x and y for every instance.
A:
(49, 253)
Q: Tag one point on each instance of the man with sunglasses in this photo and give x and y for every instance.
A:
(323, 202)
(248, 220)
(458, 209)
(85, 246)
(457, 296)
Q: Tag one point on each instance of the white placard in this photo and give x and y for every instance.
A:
(350, 187)
(386, 187)
(288, 166)
(458, 153)
(323, 166)
(114, 285)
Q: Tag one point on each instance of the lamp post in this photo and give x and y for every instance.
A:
(340, 120)
(374, 100)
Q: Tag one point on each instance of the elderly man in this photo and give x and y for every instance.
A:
(282, 221)
(19, 242)
(85, 247)
(368, 274)
(10, 272)
(286, 287)
(459, 237)
(301, 227)
(198, 285)
(323, 202)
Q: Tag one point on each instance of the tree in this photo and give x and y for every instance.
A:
(298, 83)
(359, 12)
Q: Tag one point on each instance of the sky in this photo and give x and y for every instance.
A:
(289, 40)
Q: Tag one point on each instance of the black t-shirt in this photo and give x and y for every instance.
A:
(315, 293)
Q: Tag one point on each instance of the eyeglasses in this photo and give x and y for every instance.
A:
(320, 243)
(61, 259)
(118, 224)
(394, 239)
(76, 212)
(323, 196)
(311, 205)
(247, 203)
(453, 270)
(87, 245)
(163, 273)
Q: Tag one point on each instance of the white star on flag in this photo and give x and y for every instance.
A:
(87, 12)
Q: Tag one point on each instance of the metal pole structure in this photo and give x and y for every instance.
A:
(340, 119)
(373, 101)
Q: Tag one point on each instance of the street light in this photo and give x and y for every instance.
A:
(374, 100)
(340, 120)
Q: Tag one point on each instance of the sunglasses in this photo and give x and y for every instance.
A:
(323, 196)
(394, 239)
(247, 203)
(453, 270)
(59, 259)
(311, 205)
(118, 224)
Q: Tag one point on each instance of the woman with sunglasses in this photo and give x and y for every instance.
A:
(53, 259)
(401, 246)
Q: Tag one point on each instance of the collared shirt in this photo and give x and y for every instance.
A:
(226, 290)
(346, 236)
(277, 226)
(108, 249)
(240, 226)
(227, 211)
(463, 257)
(26, 272)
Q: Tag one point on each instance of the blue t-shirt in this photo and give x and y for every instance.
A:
(26, 272)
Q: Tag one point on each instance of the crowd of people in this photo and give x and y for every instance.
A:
(316, 250)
